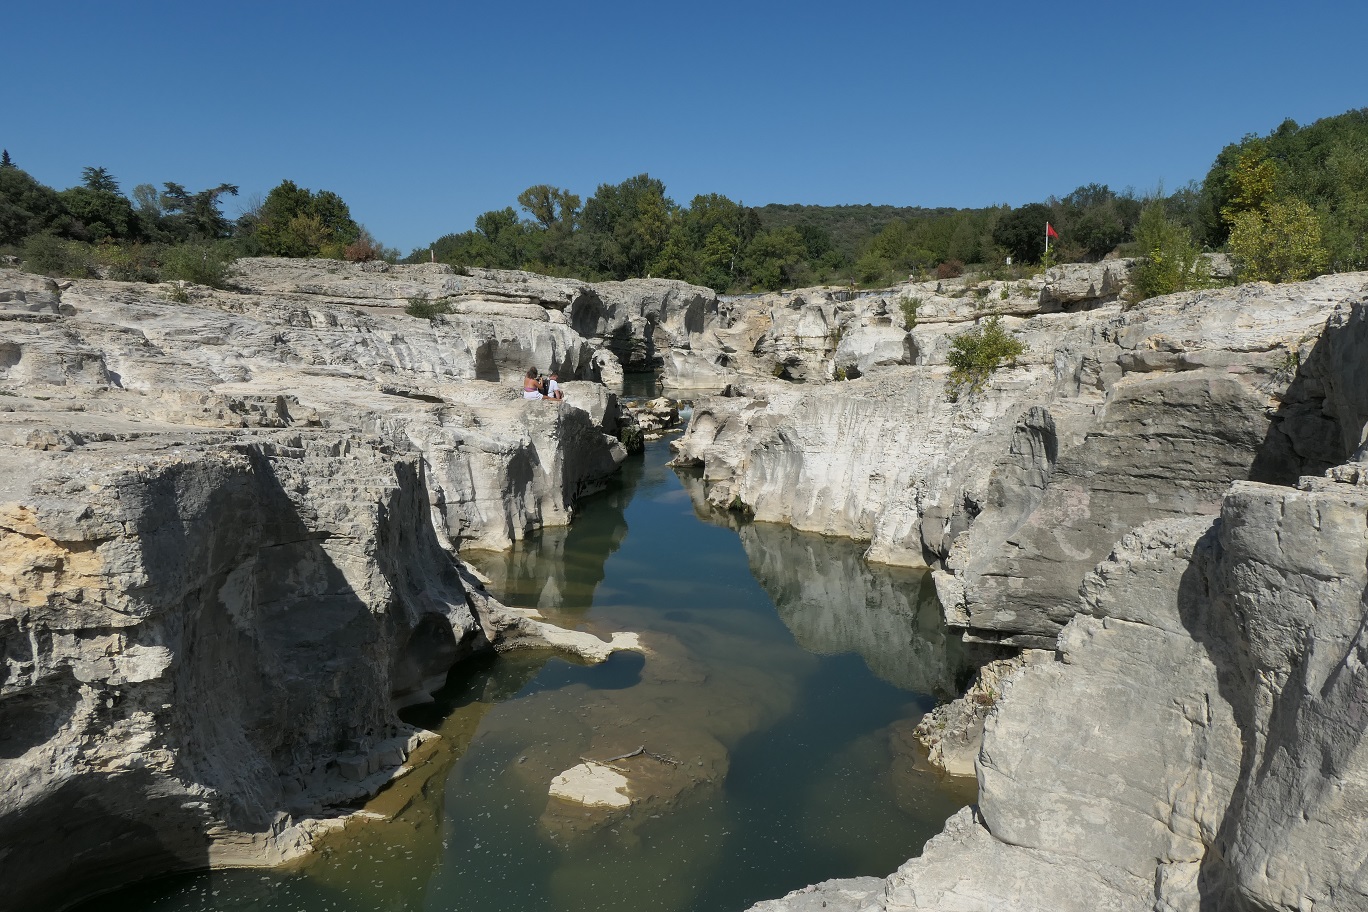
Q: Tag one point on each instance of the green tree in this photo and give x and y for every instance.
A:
(550, 206)
(628, 225)
(976, 354)
(5, 160)
(99, 180)
(1251, 183)
(1172, 261)
(195, 216)
(99, 214)
(28, 207)
(1022, 232)
(296, 222)
(1278, 242)
(774, 257)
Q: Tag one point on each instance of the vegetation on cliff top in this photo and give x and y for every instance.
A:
(1287, 205)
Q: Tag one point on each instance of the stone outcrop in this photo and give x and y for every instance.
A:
(1213, 752)
(226, 534)
(1109, 420)
(1199, 741)
(201, 640)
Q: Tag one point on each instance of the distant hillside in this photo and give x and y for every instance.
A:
(850, 228)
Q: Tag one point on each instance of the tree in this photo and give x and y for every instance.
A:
(99, 214)
(1277, 242)
(773, 258)
(99, 180)
(1022, 232)
(5, 160)
(1172, 260)
(295, 222)
(195, 216)
(550, 206)
(28, 207)
(628, 225)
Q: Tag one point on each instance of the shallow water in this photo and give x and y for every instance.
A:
(775, 705)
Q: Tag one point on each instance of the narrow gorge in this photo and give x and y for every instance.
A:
(240, 531)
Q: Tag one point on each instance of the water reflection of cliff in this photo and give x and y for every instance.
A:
(833, 601)
(558, 569)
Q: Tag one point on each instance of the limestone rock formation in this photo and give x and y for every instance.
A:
(1199, 744)
(1109, 420)
(201, 639)
(225, 546)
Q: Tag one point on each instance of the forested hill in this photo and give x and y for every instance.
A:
(850, 227)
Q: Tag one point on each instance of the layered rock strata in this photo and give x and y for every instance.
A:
(1198, 743)
(1112, 418)
(225, 549)
(1222, 760)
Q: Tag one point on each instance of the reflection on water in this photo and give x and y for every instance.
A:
(834, 602)
(773, 756)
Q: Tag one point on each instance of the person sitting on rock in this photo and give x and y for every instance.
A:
(553, 390)
(532, 388)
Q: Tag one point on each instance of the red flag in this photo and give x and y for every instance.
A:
(1050, 232)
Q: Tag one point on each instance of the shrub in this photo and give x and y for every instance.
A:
(364, 249)
(975, 354)
(129, 263)
(909, 307)
(199, 264)
(47, 254)
(1172, 261)
(1278, 242)
(950, 269)
(425, 309)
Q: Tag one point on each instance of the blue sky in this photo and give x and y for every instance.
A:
(423, 115)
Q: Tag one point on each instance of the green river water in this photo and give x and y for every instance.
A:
(784, 677)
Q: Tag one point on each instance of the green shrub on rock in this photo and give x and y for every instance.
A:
(200, 264)
(47, 254)
(975, 354)
(425, 309)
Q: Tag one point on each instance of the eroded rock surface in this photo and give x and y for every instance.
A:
(225, 546)
(1199, 744)
(1109, 420)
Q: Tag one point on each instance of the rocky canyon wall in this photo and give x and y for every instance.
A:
(226, 532)
(1198, 741)
(1111, 419)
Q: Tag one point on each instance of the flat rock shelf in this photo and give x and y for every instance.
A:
(760, 742)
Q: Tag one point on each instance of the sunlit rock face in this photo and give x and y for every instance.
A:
(224, 547)
(202, 638)
(1199, 743)
(1110, 419)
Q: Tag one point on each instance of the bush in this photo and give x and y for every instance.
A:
(950, 269)
(975, 354)
(1172, 261)
(200, 264)
(909, 307)
(129, 263)
(1278, 242)
(47, 254)
(425, 309)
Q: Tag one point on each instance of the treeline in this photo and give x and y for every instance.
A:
(1286, 206)
(94, 229)
(634, 229)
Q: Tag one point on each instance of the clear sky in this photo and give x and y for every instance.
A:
(423, 115)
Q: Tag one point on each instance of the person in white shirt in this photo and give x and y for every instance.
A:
(553, 390)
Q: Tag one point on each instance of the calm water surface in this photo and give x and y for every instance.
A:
(783, 679)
